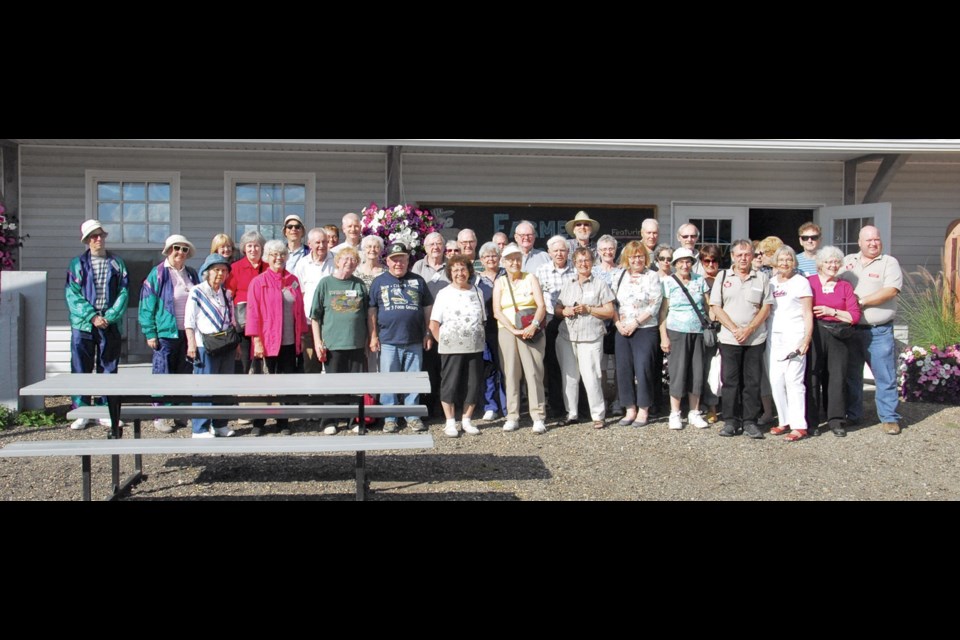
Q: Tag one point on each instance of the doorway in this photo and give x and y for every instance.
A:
(782, 223)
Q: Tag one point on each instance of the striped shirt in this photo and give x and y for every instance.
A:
(101, 273)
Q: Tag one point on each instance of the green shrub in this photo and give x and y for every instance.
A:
(927, 307)
(7, 418)
(36, 419)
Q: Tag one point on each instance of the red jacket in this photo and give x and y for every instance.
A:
(242, 274)
(265, 310)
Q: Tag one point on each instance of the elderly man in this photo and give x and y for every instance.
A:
(351, 233)
(526, 237)
(96, 294)
(433, 264)
(687, 237)
(400, 305)
(810, 238)
(741, 299)
(650, 236)
(877, 280)
(552, 277)
(310, 271)
(293, 231)
(467, 241)
(581, 230)
(500, 239)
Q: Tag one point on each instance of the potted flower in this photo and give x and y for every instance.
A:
(402, 223)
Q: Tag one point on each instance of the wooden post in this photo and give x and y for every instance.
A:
(951, 265)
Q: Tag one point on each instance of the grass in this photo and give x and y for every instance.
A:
(927, 306)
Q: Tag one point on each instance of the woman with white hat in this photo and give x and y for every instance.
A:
(163, 304)
(210, 312)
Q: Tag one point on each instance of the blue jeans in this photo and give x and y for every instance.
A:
(876, 346)
(93, 351)
(400, 357)
(205, 363)
(494, 393)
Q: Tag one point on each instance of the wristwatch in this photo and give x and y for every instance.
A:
(536, 323)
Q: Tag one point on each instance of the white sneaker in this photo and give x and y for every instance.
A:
(488, 416)
(695, 418)
(79, 424)
(163, 426)
(332, 430)
(356, 429)
(224, 432)
(205, 434)
(510, 425)
(451, 430)
(676, 421)
(539, 427)
(469, 428)
(105, 422)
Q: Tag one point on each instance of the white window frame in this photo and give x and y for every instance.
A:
(231, 178)
(93, 176)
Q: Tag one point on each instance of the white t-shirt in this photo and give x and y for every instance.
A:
(787, 313)
(462, 317)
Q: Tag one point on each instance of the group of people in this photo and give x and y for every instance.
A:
(787, 332)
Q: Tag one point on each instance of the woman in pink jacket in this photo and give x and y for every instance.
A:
(276, 319)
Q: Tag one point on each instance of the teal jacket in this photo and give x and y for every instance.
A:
(81, 293)
(157, 314)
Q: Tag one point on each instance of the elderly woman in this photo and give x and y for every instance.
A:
(664, 265)
(210, 311)
(520, 310)
(607, 270)
(453, 249)
(681, 337)
(837, 312)
(339, 319)
(242, 273)
(790, 330)
(494, 394)
(585, 303)
(710, 256)
(638, 295)
(276, 319)
(333, 234)
(163, 304)
(764, 252)
(222, 245)
(371, 259)
(457, 323)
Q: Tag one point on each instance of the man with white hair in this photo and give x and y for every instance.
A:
(650, 237)
(687, 237)
(877, 280)
(432, 266)
(526, 237)
(351, 232)
(551, 277)
(310, 271)
(467, 241)
(500, 239)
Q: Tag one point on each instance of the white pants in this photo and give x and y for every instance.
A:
(582, 360)
(786, 379)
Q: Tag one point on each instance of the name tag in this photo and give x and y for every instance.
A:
(351, 294)
(828, 287)
(873, 275)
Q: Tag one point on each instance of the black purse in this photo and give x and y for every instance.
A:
(225, 340)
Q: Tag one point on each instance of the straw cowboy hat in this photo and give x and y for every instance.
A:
(583, 217)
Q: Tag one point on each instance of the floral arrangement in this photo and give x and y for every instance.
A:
(9, 240)
(402, 223)
(930, 375)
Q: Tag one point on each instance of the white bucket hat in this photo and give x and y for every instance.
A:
(87, 229)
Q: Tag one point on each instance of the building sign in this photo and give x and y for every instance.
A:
(620, 221)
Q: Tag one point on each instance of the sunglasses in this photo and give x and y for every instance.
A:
(690, 237)
(809, 238)
(453, 250)
(294, 226)
(708, 261)
(177, 247)
(664, 259)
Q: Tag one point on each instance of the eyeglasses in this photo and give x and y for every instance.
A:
(453, 250)
(708, 261)
(490, 256)
(809, 238)
(693, 237)
(294, 226)
(582, 224)
(526, 235)
(276, 256)
(177, 247)
(583, 262)
(97, 236)
(758, 254)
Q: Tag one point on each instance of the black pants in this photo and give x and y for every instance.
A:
(551, 369)
(246, 364)
(285, 362)
(827, 368)
(742, 368)
(431, 364)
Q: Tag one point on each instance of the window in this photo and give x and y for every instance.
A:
(715, 231)
(260, 202)
(846, 233)
(137, 209)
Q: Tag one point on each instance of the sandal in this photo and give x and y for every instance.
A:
(598, 425)
(796, 434)
(776, 431)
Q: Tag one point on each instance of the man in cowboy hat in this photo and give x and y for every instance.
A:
(581, 230)
(96, 293)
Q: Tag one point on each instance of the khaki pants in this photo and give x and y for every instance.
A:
(581, 360)
(522, 358)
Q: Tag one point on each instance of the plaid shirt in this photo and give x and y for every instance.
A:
(551, 281)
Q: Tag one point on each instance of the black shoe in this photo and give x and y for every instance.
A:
(838, 430)
(729, 430)
(256, 431)
(852, 422)
(753, 431)
(564, 421)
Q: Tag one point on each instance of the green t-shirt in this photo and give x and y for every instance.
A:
(340, 306)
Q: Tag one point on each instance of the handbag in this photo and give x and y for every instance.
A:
(227, 338)
(523, 318)
(710, 328)
(839, 330)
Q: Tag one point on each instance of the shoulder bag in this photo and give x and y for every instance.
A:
(710, 329)
(523, 318)
(227, 338)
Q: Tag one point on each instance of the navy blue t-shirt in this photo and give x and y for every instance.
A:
(400, 303)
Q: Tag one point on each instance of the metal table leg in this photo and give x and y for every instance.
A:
(85, 466)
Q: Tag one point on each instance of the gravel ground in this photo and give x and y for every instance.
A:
(573, 463)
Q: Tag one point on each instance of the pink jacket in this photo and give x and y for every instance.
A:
(265, 309)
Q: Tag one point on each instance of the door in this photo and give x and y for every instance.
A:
(841, 225)
(719, 225)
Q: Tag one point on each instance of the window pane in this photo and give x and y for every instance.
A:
(245, 228)
(108, 191)
(269, 213)
(294, 210)
(838, 236)
(159, 212)
(725, 236)
(295, 193)
(247, 193)
(135, 233)
(271, 193)
(853, 229)
(159, 233)
(246, 213)
(136, 212)
(113, 230)
(134, 191)
(108, 212)
(271, 232)
(159, 192)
